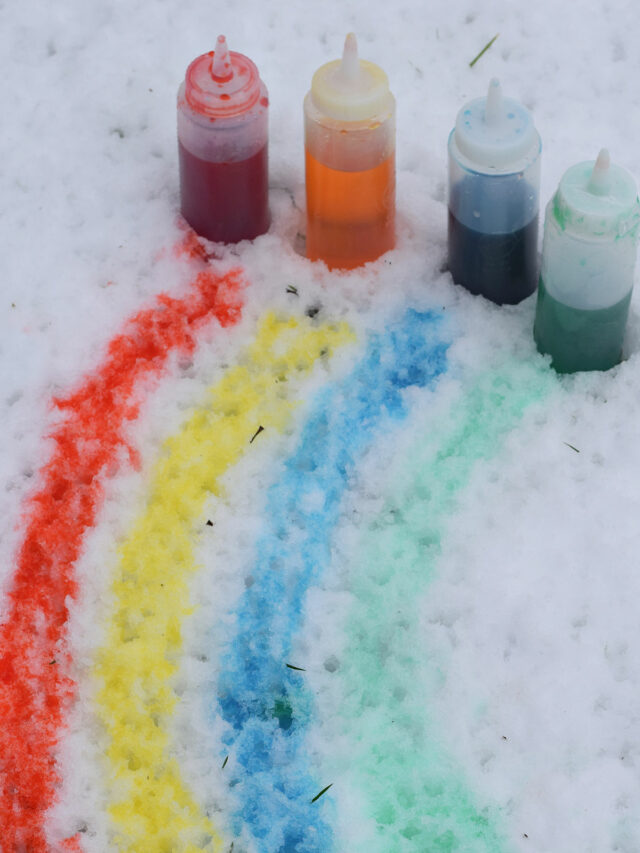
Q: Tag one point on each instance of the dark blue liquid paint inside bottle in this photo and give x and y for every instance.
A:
(500, 263)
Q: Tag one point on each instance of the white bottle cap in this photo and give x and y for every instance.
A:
(495, 134)
(350, 89)
(597, 199)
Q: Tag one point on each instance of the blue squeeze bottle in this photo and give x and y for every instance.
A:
(494, 178)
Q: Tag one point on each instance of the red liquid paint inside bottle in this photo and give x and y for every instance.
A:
(222, 146)
(225, 202)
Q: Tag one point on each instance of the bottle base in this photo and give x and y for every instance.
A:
(350, 215)
(347, 247)
(500, 267)
(579, 339)
(225, 202)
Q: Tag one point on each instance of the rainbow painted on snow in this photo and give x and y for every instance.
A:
(410, 797)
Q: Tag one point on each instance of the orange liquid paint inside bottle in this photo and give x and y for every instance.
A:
(350, 215)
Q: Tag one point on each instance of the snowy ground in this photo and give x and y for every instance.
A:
(472, 578)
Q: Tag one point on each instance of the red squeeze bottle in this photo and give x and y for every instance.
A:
(222, 144)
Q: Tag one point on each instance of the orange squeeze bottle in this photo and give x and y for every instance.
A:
(349, 124)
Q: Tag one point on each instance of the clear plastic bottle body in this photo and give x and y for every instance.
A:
(223, 156)
(494, 183)
(350, 185)
(349, 129)
(493, 232)
(586, 281)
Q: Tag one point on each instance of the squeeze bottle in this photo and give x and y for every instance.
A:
(588, 262)
(222, 144)
(494, 181)
(349, 131)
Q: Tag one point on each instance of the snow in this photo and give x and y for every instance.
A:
(479, 581)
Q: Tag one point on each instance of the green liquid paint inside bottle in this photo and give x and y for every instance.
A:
(577, 338)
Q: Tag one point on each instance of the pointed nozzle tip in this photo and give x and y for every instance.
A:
(493, 108)
(603, 160)
(600, 180)
(221, 67)
(350, 43)
(350, 64)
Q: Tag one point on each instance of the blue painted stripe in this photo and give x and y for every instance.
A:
(264, 702)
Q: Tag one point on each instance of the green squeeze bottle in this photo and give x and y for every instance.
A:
(588, 262)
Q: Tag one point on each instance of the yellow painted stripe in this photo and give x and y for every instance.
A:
(152, 808)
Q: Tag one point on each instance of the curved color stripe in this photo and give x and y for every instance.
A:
(259, 696)
(415, 795)
(35, 689)
(153, 810)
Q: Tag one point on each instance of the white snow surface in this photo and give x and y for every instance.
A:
(533, 607)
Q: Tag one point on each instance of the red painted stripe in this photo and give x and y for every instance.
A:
(35, 688)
